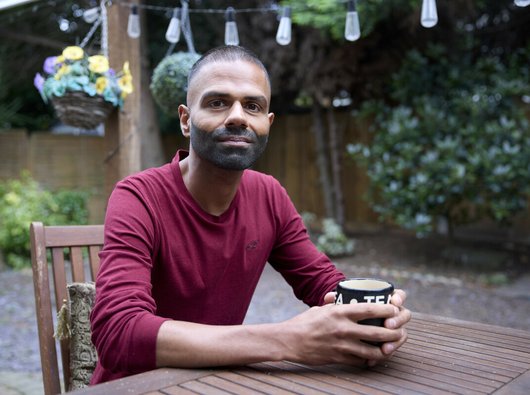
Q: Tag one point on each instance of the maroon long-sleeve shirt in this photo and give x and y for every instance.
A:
(166, 258)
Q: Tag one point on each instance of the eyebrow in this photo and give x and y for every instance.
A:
(210, 94)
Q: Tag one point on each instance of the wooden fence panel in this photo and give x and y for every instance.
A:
(67, 161)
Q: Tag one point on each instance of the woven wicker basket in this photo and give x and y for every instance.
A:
(80, 110)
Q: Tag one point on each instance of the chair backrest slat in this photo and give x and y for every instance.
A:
(76, 240)
(59, 285)
(93, 256)
(59, 276)
(76, 258)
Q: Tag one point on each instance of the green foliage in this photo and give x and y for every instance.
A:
(170, 79)
(331, 241)
(23, 201)
(329, 15)
(456, 146)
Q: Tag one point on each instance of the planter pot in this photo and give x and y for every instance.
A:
(81, 110)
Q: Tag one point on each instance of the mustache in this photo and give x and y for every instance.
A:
(239, 132)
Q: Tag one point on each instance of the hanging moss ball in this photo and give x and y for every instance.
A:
(169, 81)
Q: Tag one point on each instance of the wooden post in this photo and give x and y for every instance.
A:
(122, 142)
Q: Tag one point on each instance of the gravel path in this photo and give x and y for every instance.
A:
(431, 289)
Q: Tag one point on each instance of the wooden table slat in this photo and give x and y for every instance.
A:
(394, 382)
(250, 382)
(440, 378)
(174, 390)
(452, 363)
(355, 375)
(144, 382)
(231, 386)
(479, 327)
(306, 380)
(203, 388)
(342, 383)
(470, 356)
(507, 341)
(465, 344)
(279, 382)
(460, 371)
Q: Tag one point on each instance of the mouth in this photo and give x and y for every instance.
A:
(235, 140)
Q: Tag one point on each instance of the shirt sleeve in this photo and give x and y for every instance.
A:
(124, 322)
(309, 272)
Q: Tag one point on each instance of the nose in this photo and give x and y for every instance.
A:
(236, 116)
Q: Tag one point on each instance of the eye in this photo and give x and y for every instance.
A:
(254, 107)
(217, 103)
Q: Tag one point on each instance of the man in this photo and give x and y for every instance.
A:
(186, 243)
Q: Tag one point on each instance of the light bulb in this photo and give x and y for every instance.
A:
(231, 35)
(429, 14)
(91, 15)
(173, 30)
(352, 31)
(522, 3)
(283, 36)
(133, 25)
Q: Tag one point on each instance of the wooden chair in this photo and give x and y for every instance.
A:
(66, 244)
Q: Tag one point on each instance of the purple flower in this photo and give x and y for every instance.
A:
(49, 64)
(38, 81)
(111, 73)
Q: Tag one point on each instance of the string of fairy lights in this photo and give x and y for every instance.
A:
(352, 31)
(179, 21)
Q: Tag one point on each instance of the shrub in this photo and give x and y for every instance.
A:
(456, 146)
(170, 79)
(23, 201)
(331, 239)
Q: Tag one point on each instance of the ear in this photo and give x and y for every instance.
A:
(185, 120)
(271, 118)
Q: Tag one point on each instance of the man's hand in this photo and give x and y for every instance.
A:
(396, 321)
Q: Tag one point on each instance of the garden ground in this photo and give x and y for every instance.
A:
(465, 291)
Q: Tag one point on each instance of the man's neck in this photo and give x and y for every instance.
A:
(211, 187)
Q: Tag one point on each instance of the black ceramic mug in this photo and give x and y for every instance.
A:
(365, 290)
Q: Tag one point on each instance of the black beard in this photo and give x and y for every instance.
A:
(208, 146)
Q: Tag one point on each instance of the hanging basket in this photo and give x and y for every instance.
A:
(81, 110)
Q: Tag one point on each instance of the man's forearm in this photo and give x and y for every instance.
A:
(320, 335)
(185, 344)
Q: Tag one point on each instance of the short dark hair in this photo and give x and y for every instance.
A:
(227, 53)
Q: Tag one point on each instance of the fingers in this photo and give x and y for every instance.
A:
(361, 311)
(398, 297)
(390, 347)
(404, 315)
(330, 297)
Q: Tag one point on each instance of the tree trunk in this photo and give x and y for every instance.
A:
(322, 158)
(335, 151)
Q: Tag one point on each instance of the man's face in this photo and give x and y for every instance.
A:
(227, 116)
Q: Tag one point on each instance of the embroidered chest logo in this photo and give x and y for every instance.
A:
(252, 245)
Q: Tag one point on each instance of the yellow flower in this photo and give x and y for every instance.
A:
(98, 64)
(126, 68)
(101, 84)
(60, 59)
(126, 86)
(73, 53)
(65, 69)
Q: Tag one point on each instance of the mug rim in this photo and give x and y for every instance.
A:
(390, 285)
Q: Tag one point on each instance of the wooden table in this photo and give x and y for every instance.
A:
(441, 356)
